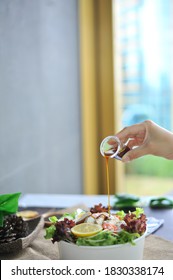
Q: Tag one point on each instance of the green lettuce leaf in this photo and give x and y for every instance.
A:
(138, 212)
(50, 232)
(121, 214)
(53, 219)
(105, 238)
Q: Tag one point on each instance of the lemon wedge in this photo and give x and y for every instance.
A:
(86, 229)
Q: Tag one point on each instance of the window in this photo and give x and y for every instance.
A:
(143, 41)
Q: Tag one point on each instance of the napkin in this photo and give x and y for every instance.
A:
(153, 224)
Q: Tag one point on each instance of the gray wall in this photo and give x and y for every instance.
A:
(40, 148)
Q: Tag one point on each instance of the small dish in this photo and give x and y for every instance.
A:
(34, 225)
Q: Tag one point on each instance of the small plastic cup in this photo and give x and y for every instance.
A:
(112, 147)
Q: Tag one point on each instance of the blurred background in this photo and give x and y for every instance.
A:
(71, 73)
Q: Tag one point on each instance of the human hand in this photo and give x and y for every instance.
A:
(146, 138)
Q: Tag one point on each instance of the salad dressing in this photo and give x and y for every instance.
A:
(108, 154)
(108, 183)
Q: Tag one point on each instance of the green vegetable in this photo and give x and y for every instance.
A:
(50, 232)
(53, 219)
(138, 212)
(69, 216)
(121, 214)
(105, 238)
(161, 203)
(127, 237)
(126, 200)
(8, 205)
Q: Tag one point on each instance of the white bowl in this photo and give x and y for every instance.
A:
(127, 251)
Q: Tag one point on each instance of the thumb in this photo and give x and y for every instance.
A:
(135, 153)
